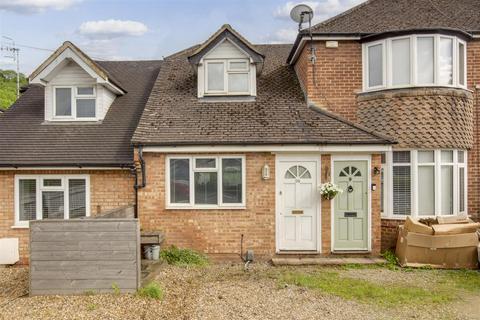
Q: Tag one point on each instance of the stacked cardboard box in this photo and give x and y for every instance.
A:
(448, 243)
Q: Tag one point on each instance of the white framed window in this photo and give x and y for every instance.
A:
(415, 60)
(205, 182)
(424, 183)
(227, 77)
(40, 197)
(75, 103)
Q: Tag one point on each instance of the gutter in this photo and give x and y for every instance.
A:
(144, 182)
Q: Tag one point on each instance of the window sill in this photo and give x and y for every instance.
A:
(205, 208)
(19, 227)
(412, 87)
(226, 98)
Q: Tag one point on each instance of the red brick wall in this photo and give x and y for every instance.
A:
(214, 231)
(108, 190)
(337, 77)
(390, 233)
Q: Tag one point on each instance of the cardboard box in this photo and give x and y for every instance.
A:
(453, 219)
(412, 225)
(458, 228)
(459, 251)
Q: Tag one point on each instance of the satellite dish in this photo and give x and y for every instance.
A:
(301, 13)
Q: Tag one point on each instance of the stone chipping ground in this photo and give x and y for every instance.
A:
(226, 291)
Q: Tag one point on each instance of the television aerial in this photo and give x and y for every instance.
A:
(302, 13)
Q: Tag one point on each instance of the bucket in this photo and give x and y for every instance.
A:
(147, 251)
(155, 249)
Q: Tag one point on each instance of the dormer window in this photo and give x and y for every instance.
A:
(75, 103)
(227, 65)
(227, 77)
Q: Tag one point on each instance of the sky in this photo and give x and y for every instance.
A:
(143, 29)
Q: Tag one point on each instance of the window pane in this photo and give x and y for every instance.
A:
(401, 61)
(401, 157)
(206, 163)
(461, 63)
(446, 61)
(52, 182)
(461, 156)
(447, 156)
(232, 180)
(63, 102)
(206, 188)
(426, 190)
(425, 60)
(52, 204)
(461, 191)
(179, 181)
(401, 190)
(238, 82)
(85, 91)
(375, 65)
(238, 65)
(77, 198)
(86, 108)
(447, 190)
(426, 156)
(215, 76)
(27, 199)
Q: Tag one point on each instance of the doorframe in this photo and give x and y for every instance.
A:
(297, 157)
(353, 157)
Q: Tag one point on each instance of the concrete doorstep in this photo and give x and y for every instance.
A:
(326, 261)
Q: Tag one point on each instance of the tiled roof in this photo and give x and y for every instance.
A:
(27, 141)
(279, 115)
(423, 118)
(375, 16)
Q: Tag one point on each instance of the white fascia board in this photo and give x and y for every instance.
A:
(60, 168)
(306, 38)
(269, 148)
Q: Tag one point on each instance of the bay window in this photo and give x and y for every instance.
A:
(205, 182)
(50, 197)
(75, 103)
(415, 60)
(424, 183)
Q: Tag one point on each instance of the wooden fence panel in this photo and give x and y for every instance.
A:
(75, 256)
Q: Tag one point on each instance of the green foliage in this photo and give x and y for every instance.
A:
(116, 288)
(152, 290)
(468, 280)
(90, 293)
(8, 87)
(92, 306)
(365, 291)
(183, 257)
(392, 260)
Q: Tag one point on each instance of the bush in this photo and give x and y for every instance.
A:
(392, 260)
(183, 257)
(152, 290)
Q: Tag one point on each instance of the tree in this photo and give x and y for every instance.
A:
(8, 87)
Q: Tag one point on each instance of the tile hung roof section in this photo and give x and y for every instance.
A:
(279, 115)
(27, 141)
(378, 16)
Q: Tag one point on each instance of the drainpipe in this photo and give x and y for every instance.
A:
(144, 182)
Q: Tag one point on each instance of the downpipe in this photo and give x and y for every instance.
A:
(144, 182)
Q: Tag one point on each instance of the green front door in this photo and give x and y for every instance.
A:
(351, 206)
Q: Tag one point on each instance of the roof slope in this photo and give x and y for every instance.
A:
(27, 141)
(375, 16)
(279, 115)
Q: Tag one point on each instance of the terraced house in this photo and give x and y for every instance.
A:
(225, 144)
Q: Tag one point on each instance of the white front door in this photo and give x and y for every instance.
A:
(297, 205)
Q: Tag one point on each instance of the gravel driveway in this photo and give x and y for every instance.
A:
(223, 292)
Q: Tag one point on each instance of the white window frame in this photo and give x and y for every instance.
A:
(388, 183)
(387, 62)
(74, 97)
(192, 170)
(40, 188)
(226, 71)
